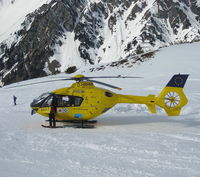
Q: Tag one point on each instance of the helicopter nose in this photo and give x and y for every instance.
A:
(33, 111)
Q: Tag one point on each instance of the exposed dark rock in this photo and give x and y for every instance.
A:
(71, 69)
(54, 66)
(136, 9)
(112, 21)
(88, 33)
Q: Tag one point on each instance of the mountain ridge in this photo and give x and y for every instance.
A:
(64, 34)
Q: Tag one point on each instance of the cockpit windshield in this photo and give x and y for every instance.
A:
(38, 101)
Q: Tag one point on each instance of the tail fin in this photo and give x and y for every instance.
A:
(172, 97)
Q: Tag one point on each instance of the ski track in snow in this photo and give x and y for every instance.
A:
(128, 140)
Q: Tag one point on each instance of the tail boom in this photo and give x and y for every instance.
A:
(148, 100)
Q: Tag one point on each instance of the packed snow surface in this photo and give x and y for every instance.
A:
(128, 140)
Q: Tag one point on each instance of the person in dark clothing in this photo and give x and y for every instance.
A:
(15, 100)
(52, 119)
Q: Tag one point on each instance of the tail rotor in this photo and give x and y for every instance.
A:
(172, 97)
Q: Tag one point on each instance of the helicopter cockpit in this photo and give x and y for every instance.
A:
(45, 100)
(39, 101)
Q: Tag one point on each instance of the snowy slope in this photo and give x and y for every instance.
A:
(127, 142)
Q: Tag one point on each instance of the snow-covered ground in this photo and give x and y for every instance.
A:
(128, 140)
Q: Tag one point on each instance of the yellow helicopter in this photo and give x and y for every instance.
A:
(83, 101)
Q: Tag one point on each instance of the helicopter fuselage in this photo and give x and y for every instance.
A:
(81, 101)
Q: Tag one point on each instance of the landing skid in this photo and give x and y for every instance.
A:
(76, 121)
(86, 124)
(47, 126)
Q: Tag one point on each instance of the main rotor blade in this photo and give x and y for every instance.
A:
(119, 76)
(96, 77)
(102, 83)
(79, 79)
(41, 82)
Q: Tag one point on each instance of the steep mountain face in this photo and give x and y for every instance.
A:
(69, 34)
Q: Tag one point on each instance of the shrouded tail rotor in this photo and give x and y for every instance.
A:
(172, 97)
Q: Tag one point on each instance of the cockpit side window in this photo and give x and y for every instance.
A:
(63, 101)
(78, 101)
(68, 101)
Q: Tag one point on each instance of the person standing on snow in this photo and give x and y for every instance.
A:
(52, 119)
(15, 99)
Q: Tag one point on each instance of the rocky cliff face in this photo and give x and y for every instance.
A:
(66, 33)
